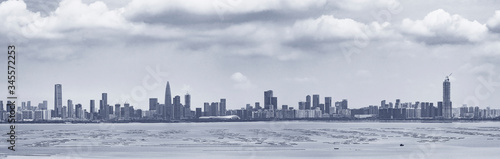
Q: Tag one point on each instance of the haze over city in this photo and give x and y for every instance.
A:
(363, 51)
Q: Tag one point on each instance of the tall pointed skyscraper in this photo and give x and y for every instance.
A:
(447, 109)
(167, 112)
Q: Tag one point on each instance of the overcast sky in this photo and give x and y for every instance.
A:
(362, 50)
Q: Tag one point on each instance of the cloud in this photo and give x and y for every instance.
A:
(241, 81)
(439, 27)
(494, 22)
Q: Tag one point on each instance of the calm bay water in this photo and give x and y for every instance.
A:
(297, 139)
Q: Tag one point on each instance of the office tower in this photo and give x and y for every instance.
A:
(45, 103)
(198, 112)
(28, 105)
(338, 107)
(382, 104)
(117, 111)
(58, 100)
(328, 104)
(64, 112)
(92, 106)
(1, 107)
(447, 105)
(71, 111)
(214, 109)
(440, 109)
(206, 109)
(274, 102)
(153, 103)
(268, 97)
(126, 111)
(187, 106)
(187, 101)
(322, 107)
(397, 105)
(302, 105)
(284, 107)
(257, 106)
(308, 102)
(344, 104)
(105, 106)
(167, 112)
(177, 108)
(222, 106)
(315, 101)
(78, 111)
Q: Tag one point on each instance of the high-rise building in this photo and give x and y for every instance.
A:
(71, 110)
(64, 112)
(382, 105)
(78, 111)
(117, 111)
(302, 105)
(206, 109)
(440, 109)
(198, 112)
(344, 104)
(92, 106)
(315, 101)
(58, 100)
(257, 106)
(177, 108)
(126, 111)
(447, 105)
(167, 112)
(105, 110)
(308, 102)
(187, 100)
(274, 102)
(153, 103)
(397, 105)
(1, 107)
(268, 97)
(222, 106)
(214, 109)
(45, 103)
(328, 104)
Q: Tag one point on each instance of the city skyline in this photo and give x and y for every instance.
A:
(361, 51)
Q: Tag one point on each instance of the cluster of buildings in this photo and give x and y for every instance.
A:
(312, 108)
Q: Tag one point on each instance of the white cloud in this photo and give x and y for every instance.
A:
(241, 81)
(494, 22)
(441, 27)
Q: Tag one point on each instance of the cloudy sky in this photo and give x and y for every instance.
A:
(362, 50)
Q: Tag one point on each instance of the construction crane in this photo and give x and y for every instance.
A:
(448, 77)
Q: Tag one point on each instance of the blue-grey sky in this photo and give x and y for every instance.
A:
(363, 50)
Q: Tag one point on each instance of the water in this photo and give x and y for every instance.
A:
(255, 140)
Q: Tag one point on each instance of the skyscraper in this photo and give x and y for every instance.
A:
(206, 109)
(447, 108)
(71, 111)
(344, 104)
(78, 111)
(58, 100)
(167, 112)
(1, 107)
(268, 98)
(105, 108)
(328, 104)
(222, 106)
(274, 102)
(153, 103)
(187, 101)
(315, 101)
(117, 111)
(214, 109)
(177, 108)
(308, 102)
(126, 111)
(92, 106)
